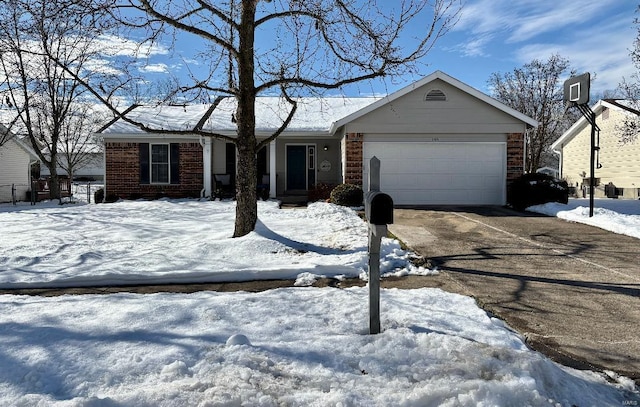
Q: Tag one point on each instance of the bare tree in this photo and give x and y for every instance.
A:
(37, 37)
(78, 144)
(536, 91)
(5, 135)
(288, 47)
(629, 129)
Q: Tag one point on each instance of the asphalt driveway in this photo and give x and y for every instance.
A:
(572, 290)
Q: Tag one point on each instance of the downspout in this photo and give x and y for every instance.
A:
(204, 178)
(524, 150)
(559, 152)
(104, 174)
(205, 143)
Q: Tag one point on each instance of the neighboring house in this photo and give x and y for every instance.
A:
(16, 159)
(439, 140)
(91, 169)
(619, 172)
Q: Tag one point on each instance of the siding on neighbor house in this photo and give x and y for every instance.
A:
(620, 162)
(14, 169)
(122, 161)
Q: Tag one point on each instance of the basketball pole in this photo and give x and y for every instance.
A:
(590, 116)
(576, 93)
(592, 179)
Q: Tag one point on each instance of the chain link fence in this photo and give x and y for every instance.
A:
(80, 192)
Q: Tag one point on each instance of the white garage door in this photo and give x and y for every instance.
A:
(417, 173)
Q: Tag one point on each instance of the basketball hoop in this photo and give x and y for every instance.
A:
(576, 93)
(576, 89)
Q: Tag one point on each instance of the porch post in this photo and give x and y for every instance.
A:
(206, 166)
(272, 169)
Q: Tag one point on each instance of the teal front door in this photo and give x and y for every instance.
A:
(296, 167)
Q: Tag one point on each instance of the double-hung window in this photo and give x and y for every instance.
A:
(159, 163)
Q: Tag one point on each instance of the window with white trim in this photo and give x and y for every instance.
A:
(159, 163)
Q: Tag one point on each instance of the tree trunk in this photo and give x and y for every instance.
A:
(54, 183)
(246, 179)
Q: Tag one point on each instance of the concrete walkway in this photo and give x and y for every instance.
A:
(572, 290)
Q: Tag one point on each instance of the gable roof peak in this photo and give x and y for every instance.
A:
(451, 81)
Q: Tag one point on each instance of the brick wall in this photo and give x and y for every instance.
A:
(354, 158)
(515, 156)
(123, 173)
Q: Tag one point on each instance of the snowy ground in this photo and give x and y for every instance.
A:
(299, 346)
(620, 216)
(174, 241)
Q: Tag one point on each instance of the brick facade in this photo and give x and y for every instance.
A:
(515, 156)
(354, 159)
(122, 163)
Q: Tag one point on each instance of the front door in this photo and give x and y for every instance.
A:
(300, 167)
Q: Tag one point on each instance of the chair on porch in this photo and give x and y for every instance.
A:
(264, 187)
(223, 186)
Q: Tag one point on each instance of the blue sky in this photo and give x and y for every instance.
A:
(500, 35)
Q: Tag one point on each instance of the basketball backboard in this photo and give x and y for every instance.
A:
(576, 89)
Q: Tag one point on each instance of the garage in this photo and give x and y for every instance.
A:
(439, 173)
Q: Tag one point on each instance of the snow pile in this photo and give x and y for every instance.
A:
(618, 216)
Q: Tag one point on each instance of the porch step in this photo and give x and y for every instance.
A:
(293, 200)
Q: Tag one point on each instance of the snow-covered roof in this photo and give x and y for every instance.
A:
(313, 114)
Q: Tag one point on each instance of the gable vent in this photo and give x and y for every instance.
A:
(435, 94)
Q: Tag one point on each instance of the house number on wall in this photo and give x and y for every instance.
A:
(325, 166)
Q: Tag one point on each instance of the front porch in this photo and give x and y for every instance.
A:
(287, 169)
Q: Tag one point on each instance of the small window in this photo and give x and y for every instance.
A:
(312, 159)
(436, 95)
(159, 163)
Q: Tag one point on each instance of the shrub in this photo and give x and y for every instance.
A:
(320, 192)
(536, 189)
(98, 196)
(347, 195)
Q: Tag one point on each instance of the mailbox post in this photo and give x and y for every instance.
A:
(378, 208)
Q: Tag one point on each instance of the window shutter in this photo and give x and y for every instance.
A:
(144, 163)
(174, 160)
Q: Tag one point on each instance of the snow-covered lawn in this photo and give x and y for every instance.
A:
(297, 346)
(173, 241)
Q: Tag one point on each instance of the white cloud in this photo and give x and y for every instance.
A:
(475, 47)
(118, 46)
(155, 68)
(522, 20)
(603, 50)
